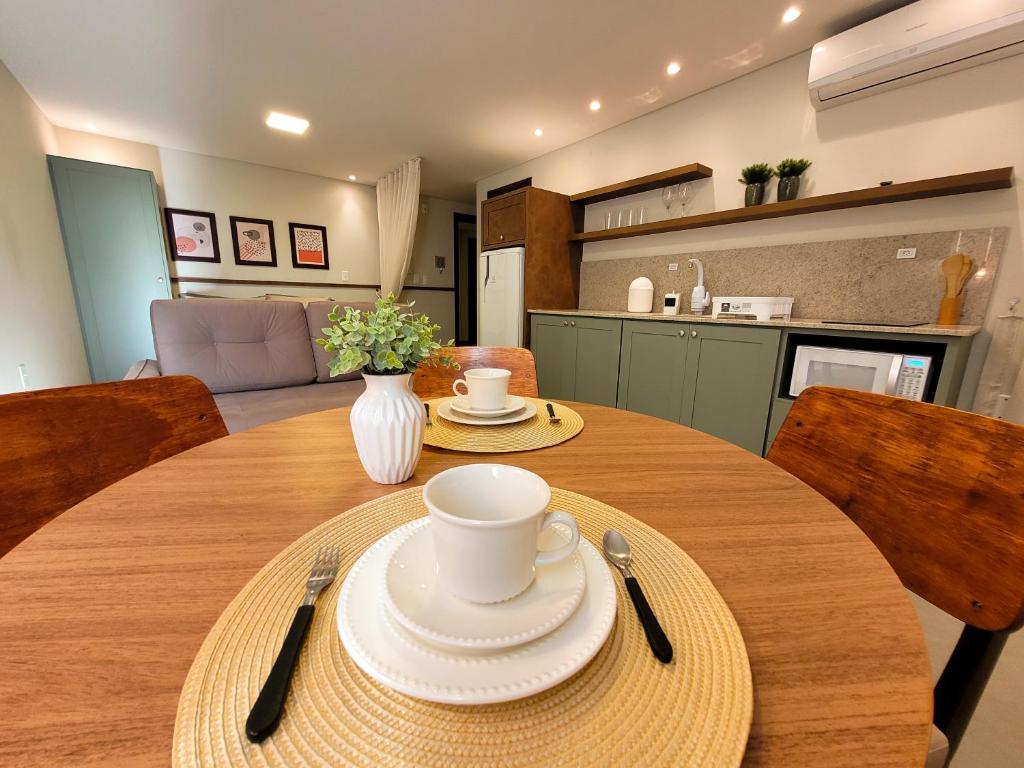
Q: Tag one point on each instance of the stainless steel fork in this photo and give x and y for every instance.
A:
(266, 712)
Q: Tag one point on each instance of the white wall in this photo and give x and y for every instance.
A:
(966, 121)
(38, 320)
(234, 188)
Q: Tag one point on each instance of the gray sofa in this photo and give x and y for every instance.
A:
(257, 357)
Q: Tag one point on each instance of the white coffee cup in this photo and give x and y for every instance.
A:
(486, 520)
(486, 388)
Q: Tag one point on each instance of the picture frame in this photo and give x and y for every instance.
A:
(253, 241)
(192, 235)
(309, 246)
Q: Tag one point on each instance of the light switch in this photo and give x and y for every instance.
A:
(344, 274)
(673, 267)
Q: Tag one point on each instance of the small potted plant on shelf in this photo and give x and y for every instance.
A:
(386, 344)
(755, 177)
(789, 171)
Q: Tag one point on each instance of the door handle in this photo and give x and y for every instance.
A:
(487, 269)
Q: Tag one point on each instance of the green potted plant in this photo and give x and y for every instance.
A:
(755, 177)
(386, 344)
(789, 171)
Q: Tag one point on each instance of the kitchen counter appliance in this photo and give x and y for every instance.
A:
(884, 373)
(753, 307)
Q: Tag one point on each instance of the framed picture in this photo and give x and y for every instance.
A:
(309, 246)
(253, 240)
(192, 235)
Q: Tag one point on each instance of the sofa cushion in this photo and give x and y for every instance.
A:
(244, 410)
(233, 345)
(316, 319)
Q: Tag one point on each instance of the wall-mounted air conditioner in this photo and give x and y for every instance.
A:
(922, 40)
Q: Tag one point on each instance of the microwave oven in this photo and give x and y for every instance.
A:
(884, 373)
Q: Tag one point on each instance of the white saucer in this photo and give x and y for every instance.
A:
(414, 596)
(394, 657)
(445, 411)
(513, 403)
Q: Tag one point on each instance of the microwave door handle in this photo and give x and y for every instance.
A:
(894, 375)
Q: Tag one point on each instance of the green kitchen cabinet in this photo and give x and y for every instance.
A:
(652, 367)
(577, 357)
(727, 387)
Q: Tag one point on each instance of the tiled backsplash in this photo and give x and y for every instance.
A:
(833, 280)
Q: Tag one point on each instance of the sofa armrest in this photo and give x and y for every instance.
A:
(143, 369)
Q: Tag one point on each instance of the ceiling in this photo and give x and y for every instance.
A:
(461, 83)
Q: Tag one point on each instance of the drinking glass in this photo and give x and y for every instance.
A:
(668, 194)
(683, 195)
(639, 215)
(609, 220)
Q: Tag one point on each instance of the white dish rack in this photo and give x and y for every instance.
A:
(753, 307)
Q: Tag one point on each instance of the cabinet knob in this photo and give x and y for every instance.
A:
(501, 237)
(683, 334)
(565, 323)
(572, 323)
(160, 279)
(693, 334)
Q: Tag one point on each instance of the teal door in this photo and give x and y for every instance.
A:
(110, 220)
(730, 372)
(553, 342)
(597, 360)
(651, 367)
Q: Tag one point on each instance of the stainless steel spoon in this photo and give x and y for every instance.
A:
(616, 550)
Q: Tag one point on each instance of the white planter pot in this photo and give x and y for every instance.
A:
(387, 424)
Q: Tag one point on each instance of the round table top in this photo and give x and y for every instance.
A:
(103, 610)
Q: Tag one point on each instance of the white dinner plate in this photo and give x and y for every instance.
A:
(413, 594)
(444, 410)
(513, 403)
(394, 657)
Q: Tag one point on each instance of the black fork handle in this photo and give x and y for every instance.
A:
(266, 712)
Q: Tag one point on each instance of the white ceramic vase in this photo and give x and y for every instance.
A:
(387, 424)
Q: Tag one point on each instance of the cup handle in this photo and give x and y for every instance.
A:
(555, 555)
(455, 388)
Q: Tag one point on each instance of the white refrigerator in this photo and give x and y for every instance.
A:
(500, 297)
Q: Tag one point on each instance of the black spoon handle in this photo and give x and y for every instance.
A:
(266, 712)
(551, 411)
(660, 645)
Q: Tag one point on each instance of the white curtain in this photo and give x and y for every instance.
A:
(398, 205)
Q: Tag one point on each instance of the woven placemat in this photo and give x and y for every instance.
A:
(536, 432)
(624, 708)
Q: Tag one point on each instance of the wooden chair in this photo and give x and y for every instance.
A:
(59, 446)
(435, 381)
(941, 493)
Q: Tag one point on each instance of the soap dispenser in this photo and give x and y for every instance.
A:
(700, 298)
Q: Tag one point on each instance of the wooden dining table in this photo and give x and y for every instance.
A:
(103, 609)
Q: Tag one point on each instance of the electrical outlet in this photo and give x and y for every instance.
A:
(23, 375)
(906, 253)
(673, 267)
(344, 274)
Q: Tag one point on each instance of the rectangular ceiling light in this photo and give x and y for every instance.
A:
(290, 123)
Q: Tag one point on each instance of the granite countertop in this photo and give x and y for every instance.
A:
(799, 322)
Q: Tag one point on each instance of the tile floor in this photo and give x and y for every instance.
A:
(995, 737)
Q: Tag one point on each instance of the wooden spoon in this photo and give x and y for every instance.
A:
(951, 267)
(965, 272)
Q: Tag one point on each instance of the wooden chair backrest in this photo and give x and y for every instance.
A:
(59, 446)
(939, 491)
(435, 381)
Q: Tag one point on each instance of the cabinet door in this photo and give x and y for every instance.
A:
(597, 359)
(110, 221)
(651, 367)
(504, 220)
(553, 342)
(730, 371)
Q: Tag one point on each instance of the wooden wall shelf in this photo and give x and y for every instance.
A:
(683, 173)
(960, 184)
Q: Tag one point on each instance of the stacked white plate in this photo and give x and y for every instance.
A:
(459, 410)
(406, 632)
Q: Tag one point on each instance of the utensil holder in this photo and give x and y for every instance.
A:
(949, 311)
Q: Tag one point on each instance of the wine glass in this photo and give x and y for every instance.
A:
(683, 196)
(668, 196)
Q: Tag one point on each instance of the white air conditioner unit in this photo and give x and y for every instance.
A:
(922, 40)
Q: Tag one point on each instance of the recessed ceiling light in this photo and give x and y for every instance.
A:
(538, 131)
(290, 123)
(91, 127)
(673, 68)
(351, 177)
(595, 105)
(792, 14)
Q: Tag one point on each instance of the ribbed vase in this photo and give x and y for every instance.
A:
(387, 424)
